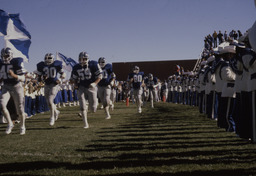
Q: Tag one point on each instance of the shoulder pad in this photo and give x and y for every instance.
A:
(57, 62)
(108, 66)
(92, 62)
(16, 60)
(40, 64)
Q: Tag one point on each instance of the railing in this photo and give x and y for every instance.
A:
(198, 62)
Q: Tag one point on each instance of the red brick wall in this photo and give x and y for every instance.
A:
(160, 69)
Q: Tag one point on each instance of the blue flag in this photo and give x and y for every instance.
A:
(4, 18)
(19, 47)
(15, 34)
(68, 63)
(19, 24)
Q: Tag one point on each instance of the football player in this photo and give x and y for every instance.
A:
(12, 74)
(151, 83)
(104, 86)
(49, 71)
(113, 93)
(86, 75)
(136, 80)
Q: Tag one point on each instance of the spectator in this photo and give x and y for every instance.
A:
(206, 45)
(231, 34)
(235, 35)
(215, 35)
(225, 36)
(220, 37)
(209, 39)
(239, 34)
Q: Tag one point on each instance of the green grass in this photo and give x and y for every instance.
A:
(167, 140)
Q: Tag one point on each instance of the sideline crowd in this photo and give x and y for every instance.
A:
(223, 86)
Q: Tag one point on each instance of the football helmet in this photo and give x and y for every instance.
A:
(150, 76)
(48, 58)
(136, 69)
(83, 58)
(6, 55)
(102, 62)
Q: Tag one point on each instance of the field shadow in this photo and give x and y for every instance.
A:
(98, 165)
(149, 142)
(167, 141)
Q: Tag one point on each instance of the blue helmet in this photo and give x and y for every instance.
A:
(102, 62)
(48, 58)
(136, 69)
(6, 55)
(83, 58)
(150, 76)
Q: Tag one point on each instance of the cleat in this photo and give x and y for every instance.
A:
(139, 110)
(22, 131)
(28, 117)
(9, 129)
(108, 117)
(52, 121)
(86, 126)
(57, 115)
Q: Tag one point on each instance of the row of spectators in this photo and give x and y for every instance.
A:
(217, 38)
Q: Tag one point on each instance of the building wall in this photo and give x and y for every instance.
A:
(160, 69)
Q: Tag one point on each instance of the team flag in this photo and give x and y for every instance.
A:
(15, 34)
(4, 18)
(16, 29)
(68, 63)
(19, 47)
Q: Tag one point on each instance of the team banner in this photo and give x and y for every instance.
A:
(19, 47)
(68, 63)
(4, 18)
(15, 34)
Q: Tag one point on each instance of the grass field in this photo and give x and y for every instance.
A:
(167, 140)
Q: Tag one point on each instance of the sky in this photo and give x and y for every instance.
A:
(126, 30)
